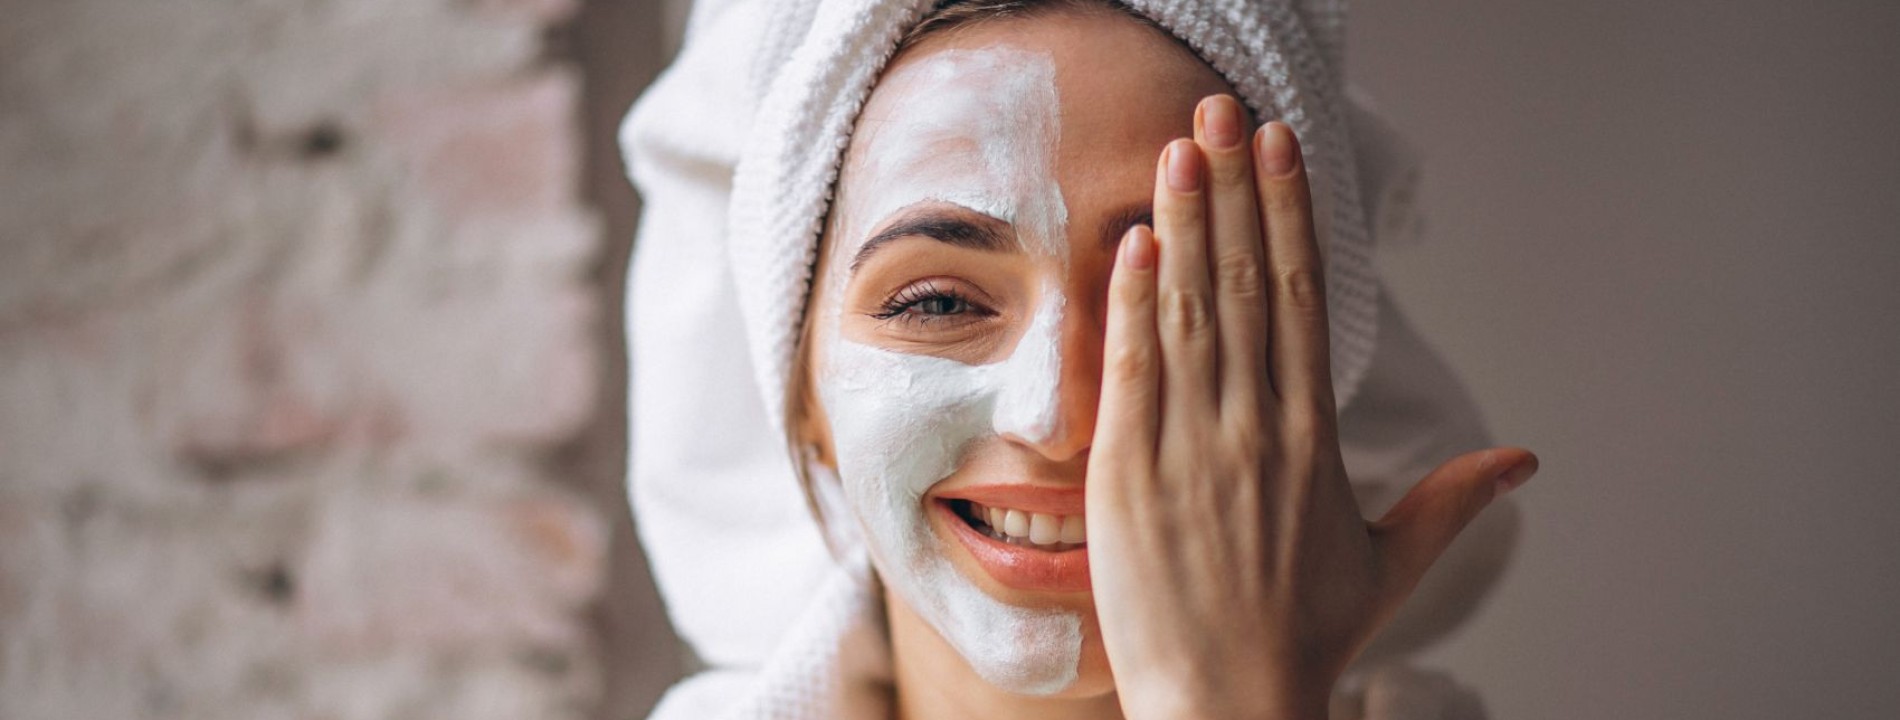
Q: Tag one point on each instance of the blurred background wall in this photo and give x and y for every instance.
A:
(311, 382)
(309, 394)
(1664, 251)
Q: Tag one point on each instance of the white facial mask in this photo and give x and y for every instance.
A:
(980, 129)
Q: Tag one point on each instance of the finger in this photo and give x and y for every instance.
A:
(1128, 418)
(1299, 356)
(1415, 532)
(1183, 295)
(1239, 258)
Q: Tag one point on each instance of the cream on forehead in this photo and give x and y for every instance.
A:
(978, 128)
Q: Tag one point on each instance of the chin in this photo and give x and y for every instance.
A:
(1092, 677)
(1026, 577)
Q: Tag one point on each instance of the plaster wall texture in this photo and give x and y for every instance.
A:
(1661, 252)
(294, 310)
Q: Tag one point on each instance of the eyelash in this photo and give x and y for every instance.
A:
(898, 307)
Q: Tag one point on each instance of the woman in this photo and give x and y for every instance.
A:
(1027, 282)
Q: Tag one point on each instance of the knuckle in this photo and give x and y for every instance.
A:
(1302, 289)
(1239, 274)
(1130, 363)
(1130, 291)
(1306, 435)
(1179, 218)
(1227, 171)
(1186, 312)
(1245, 478)
(1179, 222)
(1248, 438)
(1285, 200)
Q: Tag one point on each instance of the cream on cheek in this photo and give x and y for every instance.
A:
(978, 128)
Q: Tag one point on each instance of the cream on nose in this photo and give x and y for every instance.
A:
(1027, 399)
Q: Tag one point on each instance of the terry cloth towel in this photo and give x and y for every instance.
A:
(734, 150)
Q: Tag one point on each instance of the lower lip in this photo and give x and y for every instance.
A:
(1020, 567)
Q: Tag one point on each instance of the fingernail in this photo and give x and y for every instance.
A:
(1274, 145)
(1517, 475)
(1184, 167)
(1138, 248)
(1220, 121)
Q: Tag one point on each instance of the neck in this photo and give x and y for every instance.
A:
(935, 683)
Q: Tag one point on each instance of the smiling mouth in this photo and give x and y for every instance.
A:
(1035, 531)
(1003, 541)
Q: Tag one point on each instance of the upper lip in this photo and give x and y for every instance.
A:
(1027, 498)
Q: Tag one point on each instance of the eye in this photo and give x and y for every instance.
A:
(929, 302)
(941, 305)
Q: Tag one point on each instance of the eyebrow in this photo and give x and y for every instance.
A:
(957, 231)
(937, 226)
(1141, 213)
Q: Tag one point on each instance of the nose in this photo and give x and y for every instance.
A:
(1052, 382)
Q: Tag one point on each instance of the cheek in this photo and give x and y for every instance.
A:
(899, 422)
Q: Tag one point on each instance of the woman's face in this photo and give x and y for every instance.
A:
(957, 322)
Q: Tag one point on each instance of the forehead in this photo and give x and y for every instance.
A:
(1121, 88)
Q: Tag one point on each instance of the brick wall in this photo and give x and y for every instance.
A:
(299, 305)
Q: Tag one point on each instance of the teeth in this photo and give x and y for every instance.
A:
(1044, 529)
(1073, 531)
(1016, 523)
(1025, 528)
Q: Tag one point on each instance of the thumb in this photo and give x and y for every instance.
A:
(1417, 530)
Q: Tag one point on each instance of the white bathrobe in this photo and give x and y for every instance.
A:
(733, 151)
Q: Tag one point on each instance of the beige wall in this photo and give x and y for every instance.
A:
(1663, 251)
